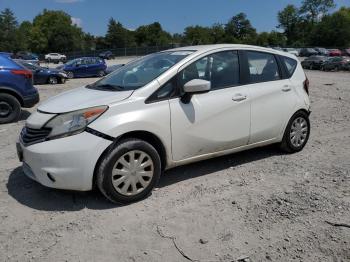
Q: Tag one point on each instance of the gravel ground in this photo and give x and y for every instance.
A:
(259, 205)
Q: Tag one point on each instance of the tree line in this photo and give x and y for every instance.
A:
(314, 23)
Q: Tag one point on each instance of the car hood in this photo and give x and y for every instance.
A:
(81, 98)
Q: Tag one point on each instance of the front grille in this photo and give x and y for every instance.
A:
(31, 136)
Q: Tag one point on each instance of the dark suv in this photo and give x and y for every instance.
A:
(16, 89)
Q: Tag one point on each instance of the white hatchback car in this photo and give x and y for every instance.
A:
(164, 110)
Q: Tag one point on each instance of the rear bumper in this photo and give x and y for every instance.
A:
(30, 101)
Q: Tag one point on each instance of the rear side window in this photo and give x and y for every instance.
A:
(263, 67)
(290, 64)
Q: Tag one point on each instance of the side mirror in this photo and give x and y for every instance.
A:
(197, 86)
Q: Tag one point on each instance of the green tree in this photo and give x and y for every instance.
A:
(198, 35)
(314, 9)
(8, 27)
(333, 30)
(117, 35)
(152, 35)
(240, 30)
(37, 41)
(61, 35)
(23, 36)
(217, 32)
(289, 20)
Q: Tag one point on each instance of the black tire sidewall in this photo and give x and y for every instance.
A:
(104, 175)
(286, 139)
(16, 108)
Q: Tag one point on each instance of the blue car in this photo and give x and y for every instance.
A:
(44, 75)
(84, 67)
(16, 89)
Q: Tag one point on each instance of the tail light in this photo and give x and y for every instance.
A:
(306, 85)
(26, 73)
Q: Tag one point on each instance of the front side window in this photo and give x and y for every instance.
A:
(262, 67)
(140, 72)
(221, 69)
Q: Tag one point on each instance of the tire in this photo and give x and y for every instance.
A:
(53, 80)
(311, 67)
(10, 109)
(125, 190)
(101, 73)
(63, 80)
(70, 75)
(288, 144)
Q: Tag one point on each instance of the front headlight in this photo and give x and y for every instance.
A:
(72, 123)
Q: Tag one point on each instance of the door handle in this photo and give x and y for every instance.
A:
(286, 88)
(239, 97)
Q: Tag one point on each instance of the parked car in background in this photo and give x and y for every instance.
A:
(164, 110)
(334, 52)
(292, 51)
(313, 62)
(43, 75)
(306, 52)
(106, 55)
(29, 57)
(55, 58)
(345, 52)
(84, 67)
(321, 51)
(7, 54)
(336, 63)
(16, 89)
(112, 68)
(278, 48)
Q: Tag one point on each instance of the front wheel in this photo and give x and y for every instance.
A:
(10, 108)
(129, 171)
(101, 73)
(297, 133)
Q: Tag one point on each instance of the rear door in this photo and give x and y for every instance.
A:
(214, 121)
(272, 97)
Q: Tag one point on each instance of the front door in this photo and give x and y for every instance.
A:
(213, 121)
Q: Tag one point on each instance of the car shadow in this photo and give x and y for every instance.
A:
(33, 195)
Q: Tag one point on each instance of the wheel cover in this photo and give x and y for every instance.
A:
(53, 80)
(132, 173)
(5, 109)
(298, 132)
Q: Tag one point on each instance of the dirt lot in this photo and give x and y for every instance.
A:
(259, 205)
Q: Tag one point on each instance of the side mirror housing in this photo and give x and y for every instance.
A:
(197, 86)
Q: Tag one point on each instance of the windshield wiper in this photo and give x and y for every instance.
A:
(106, 86)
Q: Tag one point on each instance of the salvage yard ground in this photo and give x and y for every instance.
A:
(260, 204)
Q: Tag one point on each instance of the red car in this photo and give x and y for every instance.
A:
(334, 52)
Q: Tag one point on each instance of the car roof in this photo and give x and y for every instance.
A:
(206, 48)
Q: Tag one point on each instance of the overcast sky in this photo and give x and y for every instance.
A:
(174, 15)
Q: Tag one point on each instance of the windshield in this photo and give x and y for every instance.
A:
(71, 62)
(140, 72)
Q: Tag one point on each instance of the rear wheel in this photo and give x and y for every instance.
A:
(10, 108)
(297, 133)
(70, 75)
(129, 171)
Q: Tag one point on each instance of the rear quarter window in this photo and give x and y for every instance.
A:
(291, 65)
